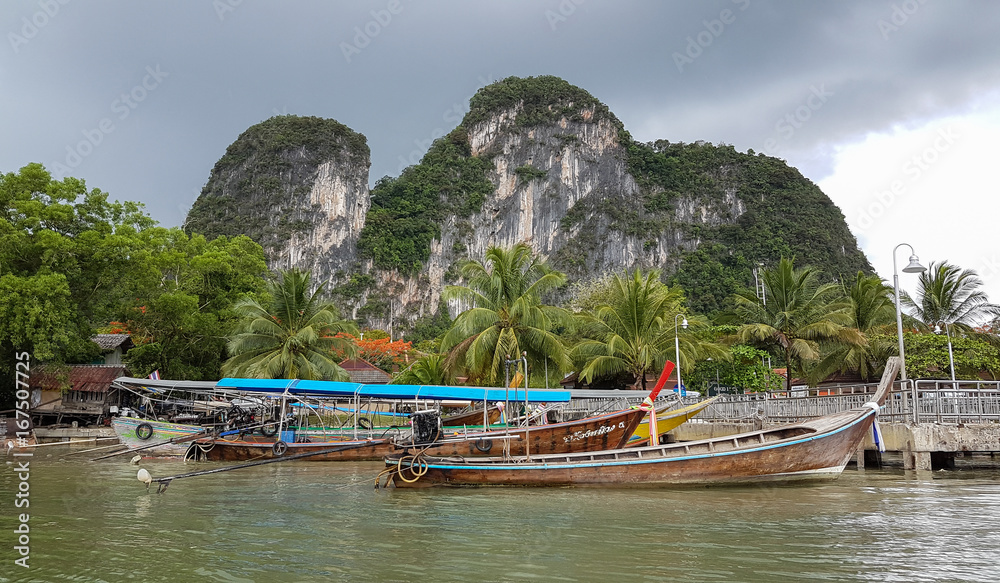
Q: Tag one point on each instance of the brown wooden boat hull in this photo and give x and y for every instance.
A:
(609, 431)
(804, 457)
(368, 450)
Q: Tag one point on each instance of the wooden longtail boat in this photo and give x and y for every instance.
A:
(608, 431)
(136, 433)
(667, 421)
(254, 449)
(812, 450)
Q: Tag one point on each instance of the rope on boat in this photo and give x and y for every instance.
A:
(390, 472)
(162, 483)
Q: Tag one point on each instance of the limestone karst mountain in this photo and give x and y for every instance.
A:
(536, 160)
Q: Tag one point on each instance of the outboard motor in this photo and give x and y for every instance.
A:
(426, 426)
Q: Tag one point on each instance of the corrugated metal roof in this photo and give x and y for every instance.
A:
(364, 372)
(372, 376)
(80, 377)
(109, 342)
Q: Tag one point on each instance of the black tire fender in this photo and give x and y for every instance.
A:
(144, 431)
(484, 445)
(269, 428)
(279, 448)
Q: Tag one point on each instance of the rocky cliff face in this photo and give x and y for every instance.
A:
(298, 186)
(534, 160)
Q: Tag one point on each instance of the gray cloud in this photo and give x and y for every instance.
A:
(231, 64)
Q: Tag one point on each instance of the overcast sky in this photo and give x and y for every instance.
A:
(893, 108)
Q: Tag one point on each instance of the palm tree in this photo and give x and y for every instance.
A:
(872, 312)
(292, 336)
(797, 315)
(633, 332)
(426, 370)
(507, 316)
(947, 294)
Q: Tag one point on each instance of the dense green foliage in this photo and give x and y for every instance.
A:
(67, 257)
(180, 325)
(781, 214)
(406, 212)
(293, 336)
(71, 263)
(426, 331)
(508, 317)
(798, 315)
(745, 369)
(260, 170)
(527, 173)
(927, 355)
(543, 99)
(947, 294)
(634, 331)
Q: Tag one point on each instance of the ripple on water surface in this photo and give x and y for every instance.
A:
(323, 521)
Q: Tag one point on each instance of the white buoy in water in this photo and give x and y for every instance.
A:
(137, 459)
(144, 477)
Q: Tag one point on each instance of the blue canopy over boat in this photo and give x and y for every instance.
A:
(431, 392)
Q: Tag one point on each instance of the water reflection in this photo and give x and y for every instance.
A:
(323, 521)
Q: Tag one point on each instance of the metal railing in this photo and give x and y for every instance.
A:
(607, 401)
(921, 401)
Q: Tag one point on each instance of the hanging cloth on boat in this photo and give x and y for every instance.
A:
(876, 430)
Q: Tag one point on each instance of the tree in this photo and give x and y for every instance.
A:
(294, 336)
(947, 294)
(180, 324)
(427, 370)
(633, 332)
(745, 369)
(376, 348)
(872, 313)
(927, 355)
(68, 258)
(798, 314)
(507, 316)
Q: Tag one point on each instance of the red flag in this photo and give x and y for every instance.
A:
(668, 367)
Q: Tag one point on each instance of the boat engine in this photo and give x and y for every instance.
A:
(426, 426)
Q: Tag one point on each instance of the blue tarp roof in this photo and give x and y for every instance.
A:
(433, 392)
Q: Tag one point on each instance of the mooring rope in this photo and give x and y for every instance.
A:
(389, 472)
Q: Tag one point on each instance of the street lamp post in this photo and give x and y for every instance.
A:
(913, 267)
(677, 351)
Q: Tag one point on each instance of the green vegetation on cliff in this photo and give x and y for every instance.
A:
(406, 212)
(73, 263)
(543, 99)
(781, 214)
(264, 169)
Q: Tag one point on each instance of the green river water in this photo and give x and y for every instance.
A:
(312, 521)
